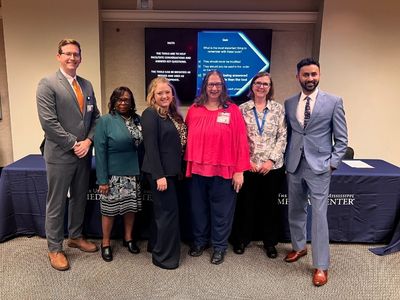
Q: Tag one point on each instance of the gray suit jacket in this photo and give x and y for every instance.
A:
(61, 118)
(323, 141)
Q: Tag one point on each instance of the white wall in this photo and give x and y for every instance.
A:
(360, 50)
(5, 130)
(359, 54)
(32, 30)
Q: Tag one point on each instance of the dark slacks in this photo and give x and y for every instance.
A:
(212, 205)
(61, 178)
(165, 235)
(257, 213)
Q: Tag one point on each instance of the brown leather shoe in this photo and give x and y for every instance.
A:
(58, 261)
(295, 255)
(320, 277)
(82, 245)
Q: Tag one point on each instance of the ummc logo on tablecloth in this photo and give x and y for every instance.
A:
(93, 195)
(334, 199)
(341, 199)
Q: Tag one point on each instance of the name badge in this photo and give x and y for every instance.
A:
(224, 117)
(89, 107)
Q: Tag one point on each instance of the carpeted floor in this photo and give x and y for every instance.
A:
(355, 273)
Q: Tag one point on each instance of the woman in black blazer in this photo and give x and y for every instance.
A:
(164, 136)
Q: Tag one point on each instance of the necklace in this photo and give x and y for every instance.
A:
(127, 120)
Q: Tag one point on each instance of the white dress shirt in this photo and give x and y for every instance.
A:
(302, 104)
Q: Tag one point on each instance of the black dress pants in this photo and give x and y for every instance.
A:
(165, 235)
(257, 214)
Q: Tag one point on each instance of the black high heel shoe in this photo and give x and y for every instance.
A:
(271, 251)
(131, 245)
(239, 248)
(106, 253)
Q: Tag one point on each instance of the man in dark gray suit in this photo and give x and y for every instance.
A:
(68, 114)
(317, 141)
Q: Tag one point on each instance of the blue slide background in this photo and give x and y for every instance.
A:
(232, 53)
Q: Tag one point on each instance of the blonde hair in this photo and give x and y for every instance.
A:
(173, 107)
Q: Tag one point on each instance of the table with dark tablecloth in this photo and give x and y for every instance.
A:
(23, 190)
(364, 203)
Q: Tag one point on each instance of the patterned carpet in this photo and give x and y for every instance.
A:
(356, 273)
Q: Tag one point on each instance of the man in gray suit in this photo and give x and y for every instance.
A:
(68, 114)
(314, 120)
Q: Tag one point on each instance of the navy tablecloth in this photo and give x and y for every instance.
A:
(374, 195)
(23, 190)
(364, 204)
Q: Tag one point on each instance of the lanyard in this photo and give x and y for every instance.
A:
(260, 127)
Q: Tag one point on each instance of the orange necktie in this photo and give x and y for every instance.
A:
(79, 94)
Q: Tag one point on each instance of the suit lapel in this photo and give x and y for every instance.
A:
(293, 112)
(64, 81)
(66, 84)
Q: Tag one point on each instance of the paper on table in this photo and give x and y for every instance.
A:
(357, 164)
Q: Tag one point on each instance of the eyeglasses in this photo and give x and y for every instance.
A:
(72, 54)
(124, 100)
(214, 84)
(261, 84)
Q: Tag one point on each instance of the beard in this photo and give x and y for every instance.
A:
(309, 86)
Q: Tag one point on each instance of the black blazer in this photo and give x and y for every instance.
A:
(163, 150)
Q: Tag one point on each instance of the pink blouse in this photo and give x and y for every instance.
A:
(217, 142)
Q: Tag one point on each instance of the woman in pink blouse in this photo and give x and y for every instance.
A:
(217, 153)
(257, 203)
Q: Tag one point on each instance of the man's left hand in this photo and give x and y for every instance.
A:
(82, 148)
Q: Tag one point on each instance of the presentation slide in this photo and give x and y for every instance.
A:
(184, 56)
